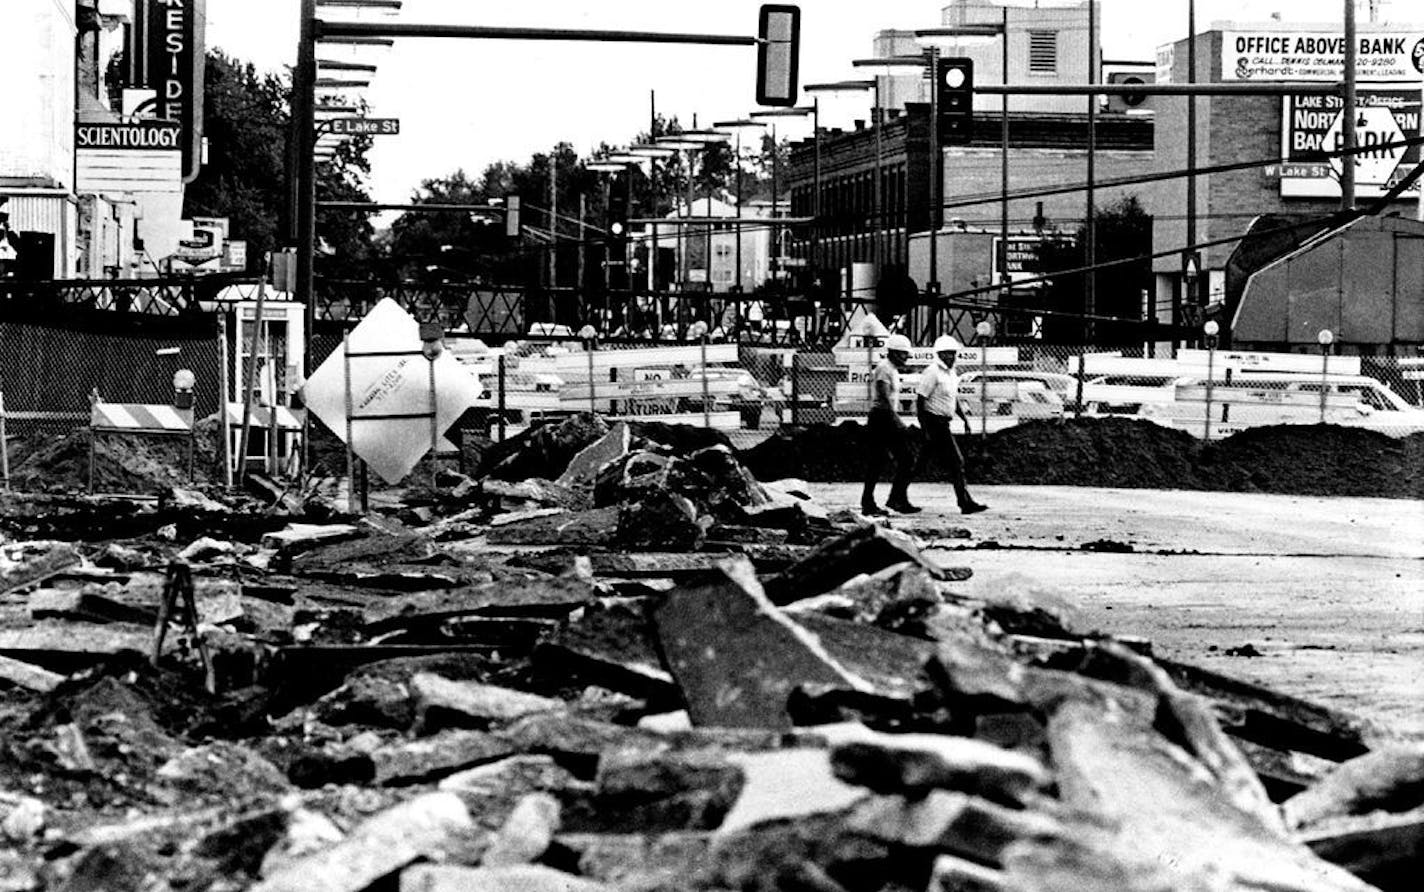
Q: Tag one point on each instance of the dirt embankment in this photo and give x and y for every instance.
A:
(1117, 452)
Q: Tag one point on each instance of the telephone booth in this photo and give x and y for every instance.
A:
(275, 428)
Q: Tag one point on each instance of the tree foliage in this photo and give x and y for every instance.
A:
(247, 122)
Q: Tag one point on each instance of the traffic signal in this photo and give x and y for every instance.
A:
(511, 216)
(616, 255)
(954, 86)
(778, 54)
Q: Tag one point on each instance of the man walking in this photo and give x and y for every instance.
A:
(936, 403)
(887, 434)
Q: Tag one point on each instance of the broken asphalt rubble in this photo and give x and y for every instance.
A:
(633, 666)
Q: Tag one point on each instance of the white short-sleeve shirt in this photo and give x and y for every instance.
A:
(939, 385)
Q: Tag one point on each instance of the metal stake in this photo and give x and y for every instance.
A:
(350, 452)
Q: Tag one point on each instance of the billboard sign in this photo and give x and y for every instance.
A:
(167, 54)
(1315, 124)
(1268, 54)
(1024, 258)
(136, 157)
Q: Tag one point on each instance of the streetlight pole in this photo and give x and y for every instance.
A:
(737, 127)
(873, 85)
(937, 178)
(801, 112)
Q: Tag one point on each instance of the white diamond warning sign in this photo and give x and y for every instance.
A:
(389, 377)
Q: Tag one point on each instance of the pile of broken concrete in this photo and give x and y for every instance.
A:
(641, 670)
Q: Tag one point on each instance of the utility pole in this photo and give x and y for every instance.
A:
(583, 239)
(1090, 282)
(303, 130)
(1351, 111)
(553, 226)
(1183, 296)
(936, 179)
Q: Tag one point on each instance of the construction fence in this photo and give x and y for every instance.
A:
(51, 374)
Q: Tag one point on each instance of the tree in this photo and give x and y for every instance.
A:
(1124, 232)
(247, 124)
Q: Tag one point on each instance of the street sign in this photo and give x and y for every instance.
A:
(366, 126)
(394, 384)
(1316, 124)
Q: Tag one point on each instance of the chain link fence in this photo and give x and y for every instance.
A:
(49, 373)
(749, 390)
(52, 374)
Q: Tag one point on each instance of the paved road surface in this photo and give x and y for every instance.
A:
(1329, 590)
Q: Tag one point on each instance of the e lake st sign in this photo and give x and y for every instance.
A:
(366, 126)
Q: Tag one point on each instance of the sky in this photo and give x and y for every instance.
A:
(467, 103)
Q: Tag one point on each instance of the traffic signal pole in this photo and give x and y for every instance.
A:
(304, 84)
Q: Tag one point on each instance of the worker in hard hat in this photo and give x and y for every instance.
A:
(887, 434)
(937, 403)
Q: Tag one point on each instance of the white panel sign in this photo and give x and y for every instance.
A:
(390, 385)
(142, 157)
(1316, 123)
(1284, 55)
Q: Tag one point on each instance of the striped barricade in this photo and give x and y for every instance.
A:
(287, 419)
(138, 418)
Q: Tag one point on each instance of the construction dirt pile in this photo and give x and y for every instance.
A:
(638, 668)
(127, 463)
(1118, 452)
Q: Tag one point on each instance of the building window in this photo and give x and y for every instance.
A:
(1042, 52)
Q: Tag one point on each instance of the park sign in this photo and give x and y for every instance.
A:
(1313, 124)
(366, 126)
(1275, 54)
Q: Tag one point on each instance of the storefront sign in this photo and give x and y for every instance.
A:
(138, 157)
(1271, 55)
(167, 55)
(1316, 124)
(1024, 258)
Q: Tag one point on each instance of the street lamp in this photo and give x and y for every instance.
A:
(693, 141)
(814, 111)
(1211, 329)
(737, 126)
(873, 85)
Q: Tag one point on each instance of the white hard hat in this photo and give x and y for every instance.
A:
(945, 342)
(898, 342)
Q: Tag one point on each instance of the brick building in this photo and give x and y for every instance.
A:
(1237, 129)
(1045, 149)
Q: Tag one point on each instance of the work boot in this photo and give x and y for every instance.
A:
(972, 508)
(903, 506)
(870, 509)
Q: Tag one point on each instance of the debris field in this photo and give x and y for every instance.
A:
(612, 658)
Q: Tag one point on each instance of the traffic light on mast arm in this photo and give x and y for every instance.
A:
(511, 216)
(954, 82)
(778, 55)
(616, 256)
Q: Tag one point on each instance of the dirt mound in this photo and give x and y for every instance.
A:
(128, 463)
(1316, 459)
(1093, 452)
(1287, 459)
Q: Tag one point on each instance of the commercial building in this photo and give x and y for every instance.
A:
(834, 177)
(1282, 188)
(94, 155)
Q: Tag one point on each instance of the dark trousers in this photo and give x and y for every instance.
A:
(940, 443)
(888, 439)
